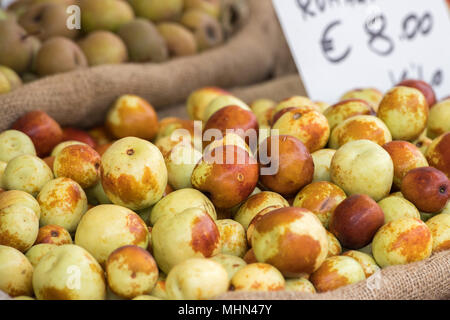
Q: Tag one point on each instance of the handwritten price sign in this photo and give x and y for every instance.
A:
(340, 45)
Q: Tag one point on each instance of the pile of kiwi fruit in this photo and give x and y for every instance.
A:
(40, 38)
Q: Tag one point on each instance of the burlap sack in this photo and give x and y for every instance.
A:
(429, 279)
(285, 64)
(83, 96)
(424, 280)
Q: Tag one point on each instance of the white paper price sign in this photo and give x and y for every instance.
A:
(340, 45)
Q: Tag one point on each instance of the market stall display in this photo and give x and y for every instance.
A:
(183, 165)
(288, 242)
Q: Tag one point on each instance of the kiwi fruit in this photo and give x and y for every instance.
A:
(158, 10)
(143, 41)
(179, 39)
(104, 14)
(16, 48)
(46, 20)
(234, 15)
(207, 30)
(58, 55)
(103, 47)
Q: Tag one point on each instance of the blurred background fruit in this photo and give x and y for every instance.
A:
(36, 41)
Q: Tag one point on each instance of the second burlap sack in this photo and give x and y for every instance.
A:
(83, 96)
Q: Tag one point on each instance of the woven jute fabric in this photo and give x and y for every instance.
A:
(423, 280)
(83, 96)
(285, 64)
